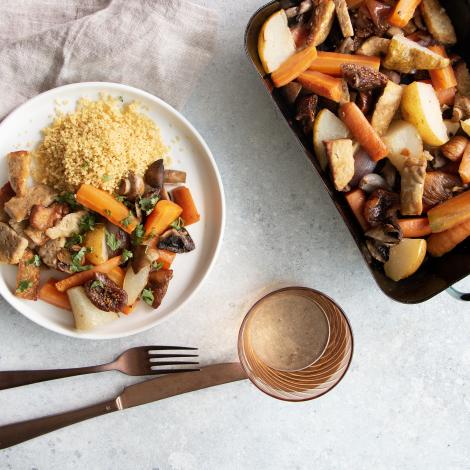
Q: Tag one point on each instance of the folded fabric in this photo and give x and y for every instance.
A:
(160, 46)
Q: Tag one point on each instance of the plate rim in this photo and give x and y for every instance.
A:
(221, 196)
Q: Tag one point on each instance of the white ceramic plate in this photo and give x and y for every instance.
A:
(21, 130)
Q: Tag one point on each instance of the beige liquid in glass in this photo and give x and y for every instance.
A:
(288, 332)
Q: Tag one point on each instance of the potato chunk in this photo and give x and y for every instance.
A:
(18, 170)
(438, 22)
(386, 107)
(341, 160)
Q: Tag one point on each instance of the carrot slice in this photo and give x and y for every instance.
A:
(443, 242)
(294, 66)
(403, 12)
(106, 205)
(450, 213)
(362, 131)
(415, 227)
(321, 84)
(330, 62)
(51, 295)
(164, 213)
(182, 196)
(79, 279)
(445, 77)
(357, 200)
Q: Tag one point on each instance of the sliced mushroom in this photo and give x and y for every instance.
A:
(177, 241)
(121, 237)
(385, 233)
(291, 91)
(379, 251)
(48, 252)
(461, 108)
(389, 172)
(131, 187)
(143, 256)
(438, 187)
(174, 176)
(381, 206)
(158, 283)
(369, 183)
(64, 260)
(154, 176)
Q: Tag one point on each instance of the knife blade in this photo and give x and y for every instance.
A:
(171, 385)
(134, 395)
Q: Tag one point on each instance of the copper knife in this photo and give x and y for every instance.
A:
(134, 395)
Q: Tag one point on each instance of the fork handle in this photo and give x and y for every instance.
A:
(12, 434)
(15, 378)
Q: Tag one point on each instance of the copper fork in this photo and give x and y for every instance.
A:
(142, 360)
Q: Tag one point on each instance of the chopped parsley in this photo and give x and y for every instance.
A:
(177, 224)
(148, 203)
(27, 284)
(35, 260)
(87, 223)
(105, 178)
(77, 259)
(138, 235)
(157, 265)
(147, 296)
(69, 198)
(75, 239)
(121, 99)
(107, 212)
(119, 198)
(95, 284)
(127, 220)
(112, 241)
(126, 255)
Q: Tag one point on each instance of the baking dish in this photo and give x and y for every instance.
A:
(436, 274)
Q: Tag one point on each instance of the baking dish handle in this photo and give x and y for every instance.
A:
(452, 291)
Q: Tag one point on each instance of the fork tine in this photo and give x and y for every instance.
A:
(173, 363)
(164, 348)
(163, 356)
(171, 371)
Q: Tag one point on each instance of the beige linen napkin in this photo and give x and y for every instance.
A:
(161, 46)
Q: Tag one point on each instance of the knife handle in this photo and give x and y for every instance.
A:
(16, 433)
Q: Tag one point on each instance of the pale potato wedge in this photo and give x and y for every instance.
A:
(341, 161)
(386, 107)
(134, 283)
(405, 55)
(405, 258)
(403, 141)
(327, 126)
(438, 22)
(420, 106)
(374, 46)
(466, 126)
(275, 41)
(95, 241)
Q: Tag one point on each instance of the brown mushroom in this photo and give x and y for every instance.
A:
(291, 91)
(381, 206)
(158, 284)
(439, 186)
(174, 176)
(379, 251)
(131, 187)
(369, 183)
(154, 175)
(386, 233)
(177, 241)
(143, 256)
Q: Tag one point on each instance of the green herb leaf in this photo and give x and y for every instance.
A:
(95, 284)
(77, 259)
(112, 241)
(126, 255)
(157, 265)
(177, 224)
(69, 198)
(147, 296)
(26, 284)
(75, 239)
(121, 99)
(105, 178)
(127, 220)
(147, 204)
(138, 235)
(118, 197)
(36, 260)
(87, 223)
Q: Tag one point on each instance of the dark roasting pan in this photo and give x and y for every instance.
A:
(436, 274)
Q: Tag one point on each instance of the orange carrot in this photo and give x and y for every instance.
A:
(464, 167)
(51, 295)
(446, 96)
(164, 213)
(321, 84)
(445, 77)
(362, 131)
(296, 64)
(403, 12)
(441, 243)
(330, 62)
(356, 200)
(102, 202)
(450, 213)
(129, 308)
(166, 258)
(117, 275)
(182, 196)
(80, 278)
(415, 227)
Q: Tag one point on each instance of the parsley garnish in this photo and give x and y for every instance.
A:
(77, 259)
(157, 265)
(75, 239)
(96, 284)
(147, 296)
(87, 223)
(69, 198)
(177, 224)
(121, 99)
(112, 241)
(25, 285)
(138, 235)
(107, 212)
(127, 220)
(118, 197)
(35, 260)
(106, 178)
(126, 255)
(148, 203)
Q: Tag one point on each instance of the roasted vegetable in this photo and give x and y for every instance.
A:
(177, 241)
(158, 284)
(405, 258)
(105, 294)
(183, 197)
(27, 276)
(96, 242)
(161, 217)
(341, 161)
